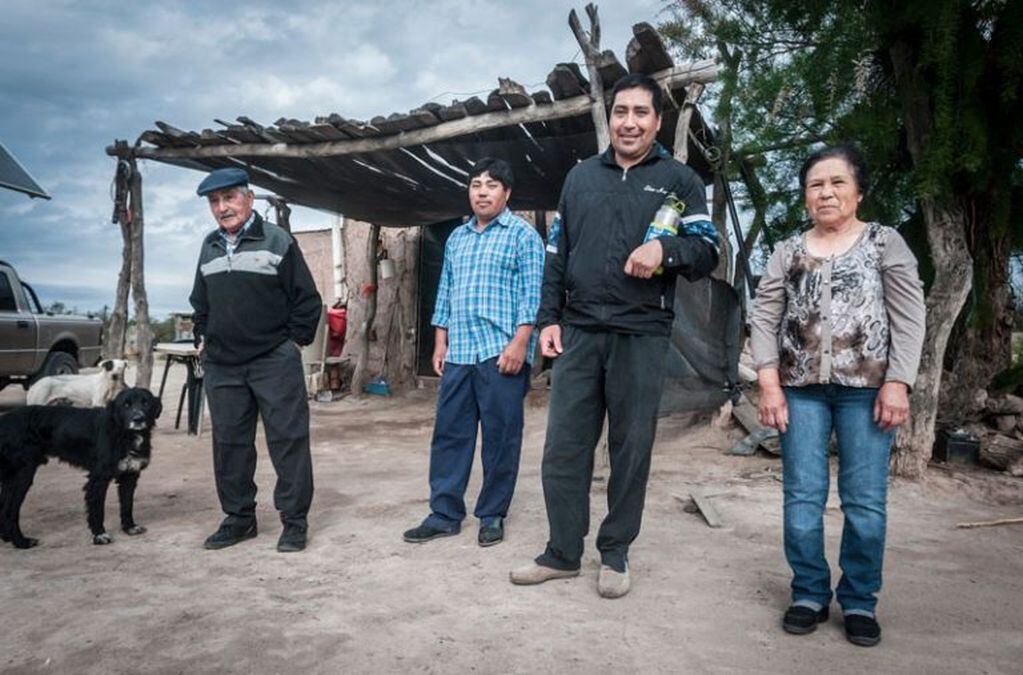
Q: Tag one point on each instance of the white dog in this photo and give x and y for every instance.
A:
(94, 389)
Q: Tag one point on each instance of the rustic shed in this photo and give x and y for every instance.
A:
(410, 169)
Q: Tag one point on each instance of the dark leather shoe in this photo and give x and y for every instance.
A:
(861, 630)
(229, 534)
(292, 539)
(800, 620)
(424, 533)
(491, 532)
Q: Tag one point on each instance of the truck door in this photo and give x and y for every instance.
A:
(17, 329)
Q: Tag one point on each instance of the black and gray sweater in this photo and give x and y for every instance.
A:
(248, 303)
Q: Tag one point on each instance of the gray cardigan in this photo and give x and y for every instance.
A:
(856, 319)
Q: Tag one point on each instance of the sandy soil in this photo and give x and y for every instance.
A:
(361, 600)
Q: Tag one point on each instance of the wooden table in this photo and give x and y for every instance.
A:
(186, 353)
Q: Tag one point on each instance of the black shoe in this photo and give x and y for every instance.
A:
(862, 630)
(491, 532)
(424, 533)
(292, 539)
(229, 534)
(800, 620)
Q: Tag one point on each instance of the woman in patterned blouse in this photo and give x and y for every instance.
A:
(837, 332)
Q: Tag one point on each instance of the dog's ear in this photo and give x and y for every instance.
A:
(107, 365)
(157, 407)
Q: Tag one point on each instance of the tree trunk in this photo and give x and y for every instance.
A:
(143, 332)
(953, 272)
(981, 345)
(953, 276)
(359, 375)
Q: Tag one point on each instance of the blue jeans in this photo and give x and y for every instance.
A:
(474, 396)
(863, 452)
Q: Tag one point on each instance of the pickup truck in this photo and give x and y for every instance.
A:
(35, 344)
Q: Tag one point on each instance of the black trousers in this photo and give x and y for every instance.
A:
(272, 385)
(600, 373)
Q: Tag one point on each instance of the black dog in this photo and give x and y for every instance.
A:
(111, 443)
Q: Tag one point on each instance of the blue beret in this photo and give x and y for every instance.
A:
(221, 179)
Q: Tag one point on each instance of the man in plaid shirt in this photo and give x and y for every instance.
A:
(487, 301)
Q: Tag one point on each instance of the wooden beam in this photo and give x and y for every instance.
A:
(685, 117)
(591, 49)
(700, 71)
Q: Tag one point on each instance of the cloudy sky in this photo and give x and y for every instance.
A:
(75, 75)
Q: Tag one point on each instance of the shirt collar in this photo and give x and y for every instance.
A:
(657, 151)
(503, 219)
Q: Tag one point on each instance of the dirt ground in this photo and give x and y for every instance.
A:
(361, 600)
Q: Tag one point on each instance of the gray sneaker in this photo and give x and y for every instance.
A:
(612, 584)
(532, 574)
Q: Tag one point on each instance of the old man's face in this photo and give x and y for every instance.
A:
(231, 207)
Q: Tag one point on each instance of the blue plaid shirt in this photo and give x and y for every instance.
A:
(229, 245)
(489, 286)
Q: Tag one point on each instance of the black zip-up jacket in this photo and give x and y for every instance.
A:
(250, 302)
(605, 211)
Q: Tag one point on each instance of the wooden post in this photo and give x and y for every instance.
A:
(591, 50)
(113, 343)
(685, 116)
(359, 375)
(143, 332)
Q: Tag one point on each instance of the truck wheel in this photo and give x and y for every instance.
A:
(56, 363)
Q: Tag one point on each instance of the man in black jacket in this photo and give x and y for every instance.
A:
(605, 317)
(255, 305)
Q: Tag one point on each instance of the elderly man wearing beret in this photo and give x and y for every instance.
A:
(255, 304)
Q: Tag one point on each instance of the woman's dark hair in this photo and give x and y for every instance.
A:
(498, 169)
(845, 151)
(640, 81)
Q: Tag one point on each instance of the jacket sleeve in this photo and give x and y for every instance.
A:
(304, 300)
(200, 305)
(693, 253)
(552, 294)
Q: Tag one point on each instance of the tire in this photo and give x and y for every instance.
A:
(56, 363)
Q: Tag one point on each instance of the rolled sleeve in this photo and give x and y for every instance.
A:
(768, 309)
(442, 306)
(907, 316)
(530, 277)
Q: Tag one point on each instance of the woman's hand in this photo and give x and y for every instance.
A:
(891, 408)
(773, 411)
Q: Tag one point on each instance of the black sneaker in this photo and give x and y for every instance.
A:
(424, 533)
(800, 620)
(862, 630)
(491, 532)
(229, 534)
(292, 539)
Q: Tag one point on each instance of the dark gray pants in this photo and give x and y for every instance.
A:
(622, 376)
(272, 385)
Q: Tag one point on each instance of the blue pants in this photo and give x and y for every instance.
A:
(863, 452)
(471, 397)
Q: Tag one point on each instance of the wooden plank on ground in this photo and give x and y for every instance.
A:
(710, 514)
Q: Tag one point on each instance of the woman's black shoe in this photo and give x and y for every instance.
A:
(800, 620)
(862, 630)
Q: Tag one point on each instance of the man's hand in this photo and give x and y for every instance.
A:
(202, 346)
(645, 260)
(891, 407)
(550, 341)
(440, 352)
(511, 359)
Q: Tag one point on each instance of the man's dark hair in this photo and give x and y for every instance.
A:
(845, 151)
(641, 81)
(498, 169)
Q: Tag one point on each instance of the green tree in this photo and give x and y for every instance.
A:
(931, 90)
